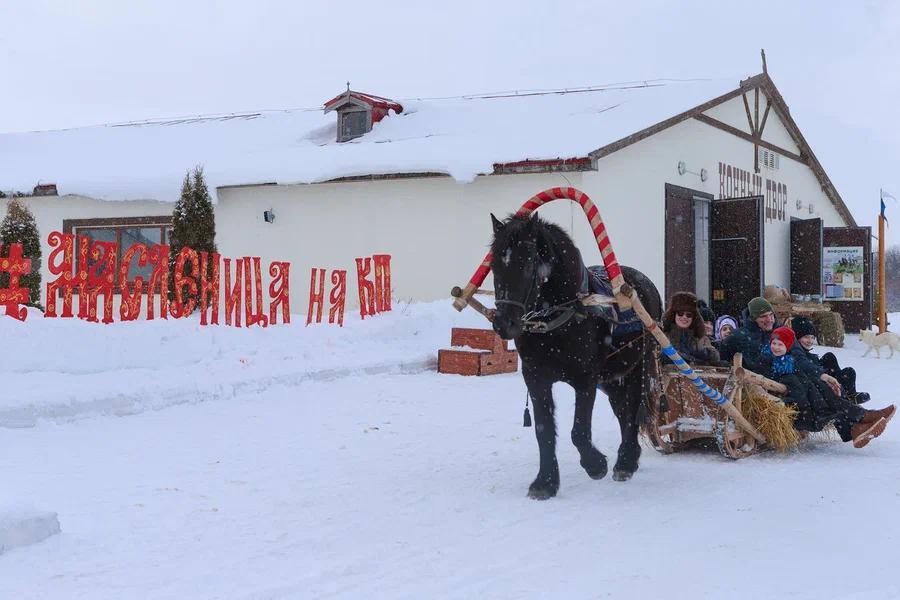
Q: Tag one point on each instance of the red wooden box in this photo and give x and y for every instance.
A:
(488, 357)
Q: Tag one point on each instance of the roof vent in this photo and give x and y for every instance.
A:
(358, 112)
(768, 159)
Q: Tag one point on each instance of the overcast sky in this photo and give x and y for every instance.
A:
(68, 64)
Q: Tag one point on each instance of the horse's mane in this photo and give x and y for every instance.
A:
(552, 240)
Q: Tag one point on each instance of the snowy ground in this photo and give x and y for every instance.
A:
(382, 484)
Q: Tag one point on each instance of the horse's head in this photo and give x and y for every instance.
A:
(522, 262)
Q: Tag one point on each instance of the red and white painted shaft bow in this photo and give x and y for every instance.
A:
(625, 296)
(535, 202)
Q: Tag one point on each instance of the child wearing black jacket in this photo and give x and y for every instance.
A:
(813, 412)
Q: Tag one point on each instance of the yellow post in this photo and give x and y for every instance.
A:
(882, 288)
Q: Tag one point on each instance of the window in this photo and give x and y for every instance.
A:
(354, 123)
(125, 232)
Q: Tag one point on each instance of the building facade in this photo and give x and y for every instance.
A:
(705, 200)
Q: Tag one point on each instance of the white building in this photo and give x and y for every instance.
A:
(418, 180)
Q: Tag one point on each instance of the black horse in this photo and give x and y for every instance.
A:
(538, 271)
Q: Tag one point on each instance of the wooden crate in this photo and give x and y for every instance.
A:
(489, 355)
(479, 339)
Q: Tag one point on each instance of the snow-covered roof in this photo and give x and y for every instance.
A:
(461, 137)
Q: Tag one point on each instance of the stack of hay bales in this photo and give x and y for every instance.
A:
(828, 323)
(830, 327)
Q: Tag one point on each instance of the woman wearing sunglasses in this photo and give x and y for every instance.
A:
(684, 327)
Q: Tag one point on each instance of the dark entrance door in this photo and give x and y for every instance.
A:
(855, 312)
(680, 240)
(736, 249)
(806, 256)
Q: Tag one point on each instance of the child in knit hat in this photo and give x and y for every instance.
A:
(725, 325)
(815, 410)
(778, 351)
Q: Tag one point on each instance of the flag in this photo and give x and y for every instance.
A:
(884, 195)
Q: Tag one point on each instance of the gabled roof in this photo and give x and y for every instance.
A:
(369, 100)
(764, 83)
(463, 138)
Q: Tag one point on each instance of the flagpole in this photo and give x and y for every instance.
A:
(882, 288)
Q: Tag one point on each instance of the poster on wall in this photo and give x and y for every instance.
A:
(842, 273)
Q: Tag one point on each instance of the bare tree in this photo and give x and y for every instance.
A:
(892, 277)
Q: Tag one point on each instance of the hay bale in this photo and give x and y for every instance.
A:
(776, 294)
(773, 419)
(830, 327)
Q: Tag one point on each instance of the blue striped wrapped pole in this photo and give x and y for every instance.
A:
(689, 373)
(626, 297)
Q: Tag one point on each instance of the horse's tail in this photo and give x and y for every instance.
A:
(650, 382)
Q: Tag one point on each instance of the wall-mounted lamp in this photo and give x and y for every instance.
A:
(811, 208)
(269, 216)
(682, 169)
(799, 204)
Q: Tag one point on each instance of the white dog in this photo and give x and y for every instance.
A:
(877, 341)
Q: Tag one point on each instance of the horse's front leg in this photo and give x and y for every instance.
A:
(625, 396)
(592, 460)
(546, 484)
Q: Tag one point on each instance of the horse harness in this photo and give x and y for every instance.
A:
(549, 318)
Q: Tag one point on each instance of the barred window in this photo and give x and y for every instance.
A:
(125, 232)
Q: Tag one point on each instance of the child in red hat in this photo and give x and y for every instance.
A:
(815, 410)
(779, 351)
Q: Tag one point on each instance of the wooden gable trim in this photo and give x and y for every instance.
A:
(750, 138)
(781, 109)
(747, 110)
(784, 113)
(762, 125)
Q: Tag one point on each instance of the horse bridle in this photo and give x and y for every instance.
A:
(533, 320)
(503, 298)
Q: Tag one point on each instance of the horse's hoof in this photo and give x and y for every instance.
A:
(595, 466)
(538, 493)
(622, 475)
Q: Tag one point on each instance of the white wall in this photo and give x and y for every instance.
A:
(436, 229)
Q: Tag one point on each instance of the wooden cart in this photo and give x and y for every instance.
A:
(683, 414)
